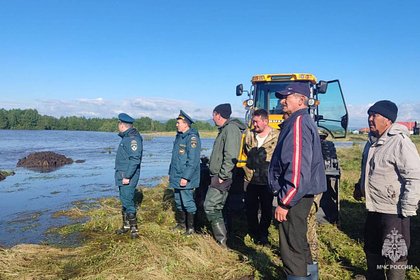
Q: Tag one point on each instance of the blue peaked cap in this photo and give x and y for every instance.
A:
(123, 117)
(185, 117)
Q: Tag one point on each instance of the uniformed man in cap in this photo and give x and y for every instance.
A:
(184, 172)
(127, 171)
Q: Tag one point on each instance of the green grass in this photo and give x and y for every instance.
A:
(5, 173)
(161, 254)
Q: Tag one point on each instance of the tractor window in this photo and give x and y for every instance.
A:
(265, 97)
(332, 111)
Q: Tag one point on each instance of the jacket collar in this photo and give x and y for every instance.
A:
(188, 132)
(271, 134)
(126, 133)
(375, 141)
(184, 134)
(294, 115)
(225, 124)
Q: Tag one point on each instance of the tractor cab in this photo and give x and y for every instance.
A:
(327, 108)
(326, 105)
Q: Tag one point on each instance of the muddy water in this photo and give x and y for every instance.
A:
(29, 198)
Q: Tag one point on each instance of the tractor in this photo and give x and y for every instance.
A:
(328, 110)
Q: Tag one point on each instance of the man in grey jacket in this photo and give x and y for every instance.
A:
(222, 161)
(390, 182)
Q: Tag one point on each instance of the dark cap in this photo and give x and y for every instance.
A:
(185, 117)
(123, 117)
(296, 87)
(386, 108)
(224, 110)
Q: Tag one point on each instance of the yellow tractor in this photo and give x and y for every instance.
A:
(327, 108)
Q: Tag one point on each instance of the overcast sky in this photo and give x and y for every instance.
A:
(152, 58)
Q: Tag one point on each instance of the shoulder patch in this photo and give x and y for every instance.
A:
(133, 145)
(193, 142)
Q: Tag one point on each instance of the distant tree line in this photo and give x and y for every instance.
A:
(31, 119)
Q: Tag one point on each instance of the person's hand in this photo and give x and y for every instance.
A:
(280, 214)
(125, 181)
(183, 182)
(221, 181)
(357, 193)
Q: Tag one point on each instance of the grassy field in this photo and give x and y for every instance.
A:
(161, 254)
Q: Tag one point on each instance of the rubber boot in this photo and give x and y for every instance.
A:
(220, 233)
(125, 225)
(374, 272)
(190, 224)
(396, 270)
(313, 270)
(132, 219)
(180, 221)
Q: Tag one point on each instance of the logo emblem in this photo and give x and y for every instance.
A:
(193, 142)
(394, 246)
(134, 145)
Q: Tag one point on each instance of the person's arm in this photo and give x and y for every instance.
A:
(408, 165)
(296, 158)
(358, 191)
(134, 149)
(230, 151)
(193, 158)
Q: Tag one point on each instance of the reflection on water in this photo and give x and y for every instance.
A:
(29, 198)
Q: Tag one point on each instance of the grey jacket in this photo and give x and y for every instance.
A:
(390, 177)
(226, 149)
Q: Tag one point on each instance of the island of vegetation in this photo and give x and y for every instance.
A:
(4, 174)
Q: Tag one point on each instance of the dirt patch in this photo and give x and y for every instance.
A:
(44, 161)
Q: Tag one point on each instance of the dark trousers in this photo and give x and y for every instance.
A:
(214, 204)
(184, 200)
(387, 241)
(294, 247)
(127, 198)
(256, 197)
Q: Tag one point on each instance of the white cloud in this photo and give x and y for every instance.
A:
(95, 101)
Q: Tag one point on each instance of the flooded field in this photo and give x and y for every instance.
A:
(29, 198)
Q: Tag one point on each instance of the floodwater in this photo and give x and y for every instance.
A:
(29, 199)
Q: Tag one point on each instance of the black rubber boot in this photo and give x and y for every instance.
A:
(125, 225)
(132, 219)
(180, 221)
(220, 233)
(190, 224)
